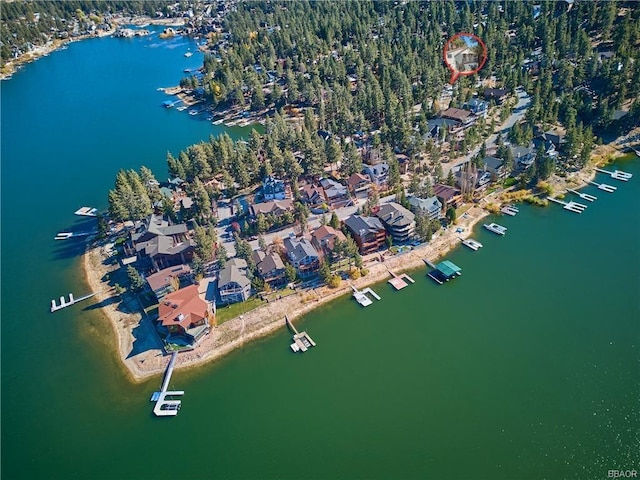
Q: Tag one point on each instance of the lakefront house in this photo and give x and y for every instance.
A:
(185, 315)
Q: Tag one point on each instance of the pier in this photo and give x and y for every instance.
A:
(167, 408)
(571, 206)
(585, 196)
(604, 187)
(509, 210)
(398, 281)
(63, 303)
(362, 298)
(302, 341)
(471, 243)
(616, 174)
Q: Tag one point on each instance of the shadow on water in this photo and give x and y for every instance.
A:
(74, 247)
(144, 338)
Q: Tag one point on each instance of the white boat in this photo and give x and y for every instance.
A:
(295, 347)
(495, 228)
(193, 112)
(188, 54)
(472, 244)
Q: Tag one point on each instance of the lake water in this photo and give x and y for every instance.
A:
(525, 367)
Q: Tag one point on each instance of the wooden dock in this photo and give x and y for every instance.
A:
(302, 341)
(362, 298)
(574, 207)
(164, 407)
(86, 212)
(398, 281)
(63, 303)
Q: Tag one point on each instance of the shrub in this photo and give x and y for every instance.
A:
(364, 272)
(334, 281)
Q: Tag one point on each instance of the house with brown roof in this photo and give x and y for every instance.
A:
(368, 232)
(312, 195)
(449, 196)
(358, 183)
(277, 207)
(163, 282)
(499, 95)
(465, 117)
(184, 314)
(325, 238)
(270, 267)
(157, 241)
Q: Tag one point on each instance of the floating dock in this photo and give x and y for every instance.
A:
(398, 281)
(574, 207)
(444, 271)
(585, 196)
(509, 210)
(164, 407)
(604, 187)
(362, 298)
(472, 244)
(63, 303)
(616, 174)
(302, 341)
(86, 212)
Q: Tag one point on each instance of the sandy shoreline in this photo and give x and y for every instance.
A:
(140, 348)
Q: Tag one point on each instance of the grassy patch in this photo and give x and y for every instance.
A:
(228, 312)
(274, 295)
(510, 182)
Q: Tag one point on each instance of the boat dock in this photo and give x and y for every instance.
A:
(68, 235)
(444, 271)
(495, 228)
(604, 187)
(398, 281)
(86, 212)
(302, 341)
(167, 408)
(509, 210)
(571, 206)
(616, 174)
(585, 196)
(63, 304)
(362, 298)
(471, 243)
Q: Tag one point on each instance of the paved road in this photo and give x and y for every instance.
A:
(518, 113)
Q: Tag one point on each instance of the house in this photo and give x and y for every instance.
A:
(336, 194)
(273, 189)
(358, 183)
(184, 314)
(447, 195)
(324, 239)
(495, 166)
(270, 267)
(312, 195)
(399, 222)
(430, 207)
(499, 95)
(157, 241)
(478, 107)
(277, 207)
(303, 256)
(523, 157)
(482, 177)
(556, 137)
(378, 173)
(464, 117)
(464, 59)
(438, 127)
(233, 283)
(165, 281)
(368, 232)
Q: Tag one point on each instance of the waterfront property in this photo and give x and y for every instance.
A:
(269, 267)
(159, 244)
(233, 283)
(168, 280)
(325, 237)
(447, 195)
(185, 315)
(399, 222)
(368, 232)
(303, 256)
(430, 207)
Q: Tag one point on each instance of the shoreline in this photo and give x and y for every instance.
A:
(14, 65)
(150, 361)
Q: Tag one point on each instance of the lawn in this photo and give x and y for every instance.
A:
(228, 312)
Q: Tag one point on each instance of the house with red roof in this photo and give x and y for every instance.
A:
(185, 315)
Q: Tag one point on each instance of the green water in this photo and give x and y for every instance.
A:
(526, 367)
